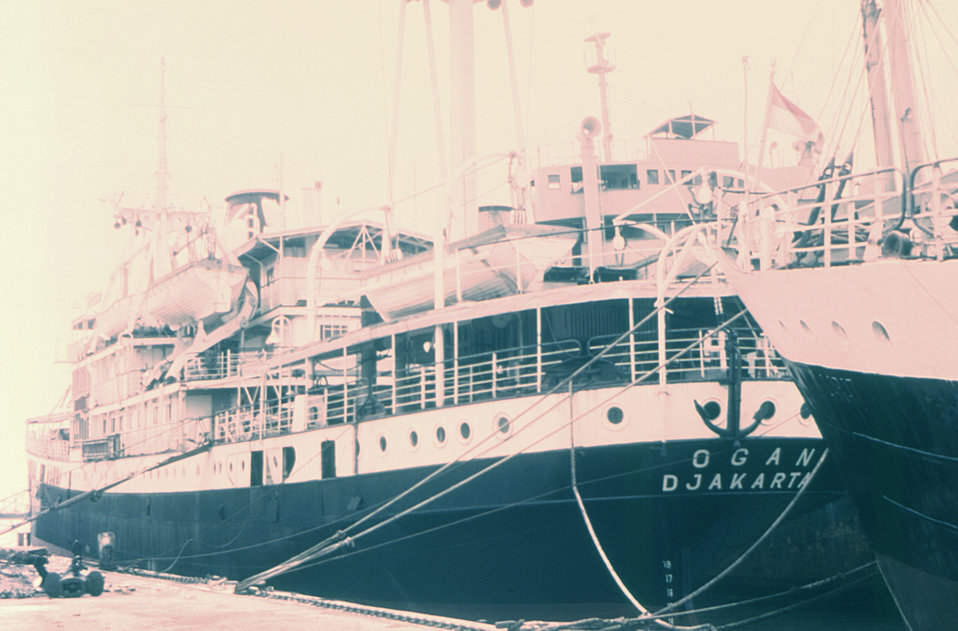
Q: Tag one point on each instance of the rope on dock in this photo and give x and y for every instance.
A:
(853, 576)
(412, 617)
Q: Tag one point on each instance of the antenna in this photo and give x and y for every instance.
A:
(162, 168)
(601, 68)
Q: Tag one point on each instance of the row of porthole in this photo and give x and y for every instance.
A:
(172, 471)
(503, 425)
(878, 329)
(615, 415)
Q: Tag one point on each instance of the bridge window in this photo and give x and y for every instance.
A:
(619, 176)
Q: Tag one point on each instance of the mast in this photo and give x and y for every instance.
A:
(162, 169)
(893, 107)
(601, 68)
(903, 83)
(462, 99)
(160, 265)
(877, 88)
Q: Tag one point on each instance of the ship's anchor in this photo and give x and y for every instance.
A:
(710, 411)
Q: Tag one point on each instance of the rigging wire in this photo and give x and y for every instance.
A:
(176, 427)
(816, 11)
(492, 511)
(536, 498)
(849, 46)
(434, 80)
(929, 139)
(947, 57)
(247, 507)
(787, 608)
(343, 538)
(754, 545)
(629, 624)
(598, 545)
(339, 537)
(788, 592)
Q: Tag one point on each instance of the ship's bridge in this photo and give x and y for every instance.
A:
(675, 152)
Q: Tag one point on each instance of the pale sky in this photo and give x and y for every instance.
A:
(307, 84)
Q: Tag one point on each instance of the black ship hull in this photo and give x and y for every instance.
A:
(896, 442)
(670, 516)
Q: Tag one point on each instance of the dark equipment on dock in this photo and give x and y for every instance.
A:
(72, 585)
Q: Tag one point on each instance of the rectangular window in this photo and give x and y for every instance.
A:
(328, 456)
(652, 176)
(670, 176)
(619, 176)
(554, 181)
(329, 331)
(685, 174)
(256, 468)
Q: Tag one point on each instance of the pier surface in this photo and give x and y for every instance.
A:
(138, 602)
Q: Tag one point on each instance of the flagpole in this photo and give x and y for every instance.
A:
(768, 112)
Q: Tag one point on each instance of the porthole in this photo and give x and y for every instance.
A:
(711, 410)
(615, 415)
(441, 434)
(464, 430)
(765, 411)
(503, 424)
(880, 331)
(413, 438)
(382, 444)
(805, 326)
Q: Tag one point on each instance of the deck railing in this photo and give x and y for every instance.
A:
(503, 373)
(850, 218)
(226, 364)
(527, 370)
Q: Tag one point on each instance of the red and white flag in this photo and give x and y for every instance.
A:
(789, 118)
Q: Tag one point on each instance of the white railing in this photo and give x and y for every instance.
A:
(226, 364)
(510, 372)
(48, 447)
(179, 435)
(849, 219)
(254, 421)
(524, 371)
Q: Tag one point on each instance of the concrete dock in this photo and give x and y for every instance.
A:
(133, 602)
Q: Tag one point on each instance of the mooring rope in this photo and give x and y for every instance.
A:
(605, 559)
(752, 547)
(343, 538)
